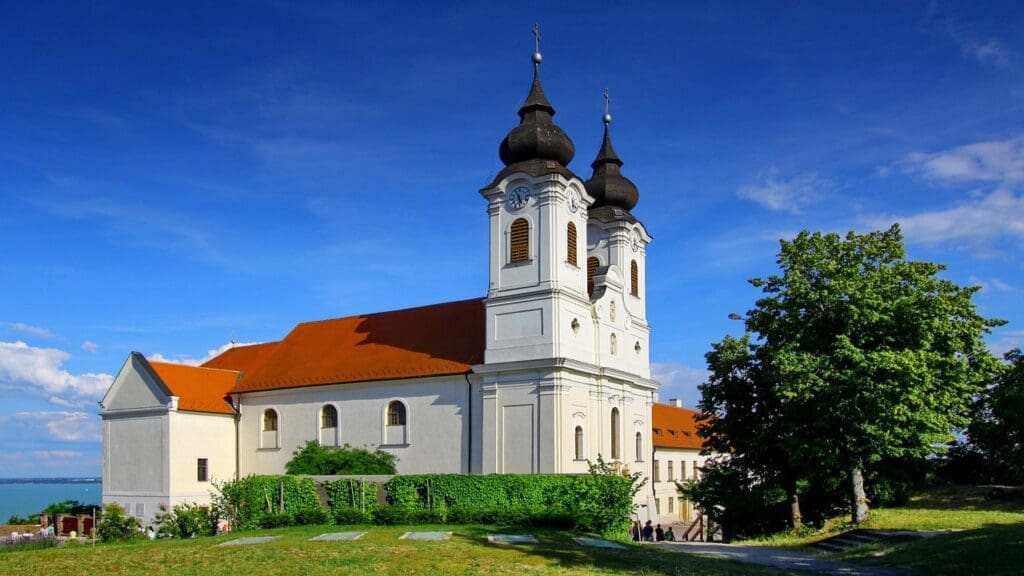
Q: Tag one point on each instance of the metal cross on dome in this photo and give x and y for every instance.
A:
(607, 105)
(536, 37)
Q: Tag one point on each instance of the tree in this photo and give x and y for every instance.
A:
(315, 459)
(860, 355)
(996, 433)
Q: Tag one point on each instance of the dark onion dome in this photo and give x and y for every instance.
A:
(608, 186)
(536, 137)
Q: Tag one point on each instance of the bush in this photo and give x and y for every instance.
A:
(390, 514)
(246, 501)
(350, 493)
(312, 517)
(350, 516)
(314, 459)
(276, 520)
(188, 521)
(115, 526)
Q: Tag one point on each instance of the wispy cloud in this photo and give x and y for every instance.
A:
(189, 361)
(61, 426)
(986, 161)
(791, 195)
(974, 44)
(90, 346)
(39, 372)
(991, 284)
(679, 380)
(30, 330)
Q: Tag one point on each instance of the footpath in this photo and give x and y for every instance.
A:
(795, 560)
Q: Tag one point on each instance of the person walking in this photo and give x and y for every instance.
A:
(659, 534)
(648, 532)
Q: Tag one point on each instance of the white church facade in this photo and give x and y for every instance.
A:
(547, 371)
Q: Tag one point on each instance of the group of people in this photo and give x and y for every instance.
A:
(650, 533)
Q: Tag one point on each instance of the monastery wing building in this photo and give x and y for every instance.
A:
(548, 371)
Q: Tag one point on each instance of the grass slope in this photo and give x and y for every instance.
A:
(378, 552)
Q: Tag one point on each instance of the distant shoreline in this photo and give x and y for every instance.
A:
(81, 480)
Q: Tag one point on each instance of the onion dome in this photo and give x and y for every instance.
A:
(608, 186)
(536, 137)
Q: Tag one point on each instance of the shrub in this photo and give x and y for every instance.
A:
(350, 516)
(276, 520)
(188, 521)
(315, 459)
(391, 514)
(350, 493)
(115, 526)
(312, 517)
(246, 501)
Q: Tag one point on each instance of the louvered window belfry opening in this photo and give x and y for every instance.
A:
(571, 243)
(592, 264)
(634, 279)
(519, 246)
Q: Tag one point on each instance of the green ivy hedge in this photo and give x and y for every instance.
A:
(246, 502)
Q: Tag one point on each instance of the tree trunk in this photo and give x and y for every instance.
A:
(795, 518)
(858, 498)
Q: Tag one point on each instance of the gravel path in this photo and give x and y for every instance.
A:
(781, 558)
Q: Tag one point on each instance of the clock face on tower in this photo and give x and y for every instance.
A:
(574, 201)
(518, 197)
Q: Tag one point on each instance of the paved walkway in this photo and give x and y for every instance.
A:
(780, 558)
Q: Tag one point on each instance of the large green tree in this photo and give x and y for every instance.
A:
(996, 432)
(858, 355)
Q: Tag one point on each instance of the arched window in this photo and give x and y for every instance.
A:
(592, 264)
(396, 413)
(328, 426)
(579, 442)
(269, 437)
(615, 434)
(634, 279)
(614, 344)
(639, 447)
(329, 417)
(570, 243)
(269, 421)
(519, 244)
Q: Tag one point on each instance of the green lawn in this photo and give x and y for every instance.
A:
(379, 552)
(985, 536)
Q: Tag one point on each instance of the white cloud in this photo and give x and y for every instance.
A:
(976, 222)
(30, 330)
(992, 284)
(39, 371)
(941, 18)
(792, 195)
(211, 353)
(90, 346)
(61, 426)
(1007, 340)
(987, 161)
(1001, 286)
(679, 380)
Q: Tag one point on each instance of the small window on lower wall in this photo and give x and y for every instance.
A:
(202, 470)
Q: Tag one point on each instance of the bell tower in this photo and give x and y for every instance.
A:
(537, 210)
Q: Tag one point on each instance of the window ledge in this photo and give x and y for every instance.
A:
(405, 445)
(519, 263)
(273, 449)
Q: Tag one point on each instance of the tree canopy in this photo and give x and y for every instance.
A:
(314, 459)
(853, 355)
(995, 436)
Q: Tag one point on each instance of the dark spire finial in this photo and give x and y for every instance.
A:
(608, 186)
(536, 137)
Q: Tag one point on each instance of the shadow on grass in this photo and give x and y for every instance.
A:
(992, 549)
(960, 497)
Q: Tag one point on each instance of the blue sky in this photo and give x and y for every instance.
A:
(173, 178)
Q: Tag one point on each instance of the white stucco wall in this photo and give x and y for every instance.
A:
(195, 435)
(683, 462)
(436, 426)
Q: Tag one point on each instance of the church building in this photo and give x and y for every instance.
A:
(547, 371)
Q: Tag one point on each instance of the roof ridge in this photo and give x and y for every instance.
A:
(309, 322)
(200, 366)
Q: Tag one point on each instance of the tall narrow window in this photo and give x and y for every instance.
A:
(202, 469)
(520, 241)
(579, 442)
(329, 417)
(270, 438)
(639, 447)
(592, 264)
(657, 471)
(671, 473)
(396, 414)
(615, 434)
(634, 279)
(570, 243)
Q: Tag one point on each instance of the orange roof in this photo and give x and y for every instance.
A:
(245, 359)
(198, 389)
(433, 340)
(675, 427)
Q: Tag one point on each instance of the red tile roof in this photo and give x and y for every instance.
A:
(436, 340)
(198, 389)
(675, 427)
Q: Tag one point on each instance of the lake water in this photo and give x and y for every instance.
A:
(25, 499)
